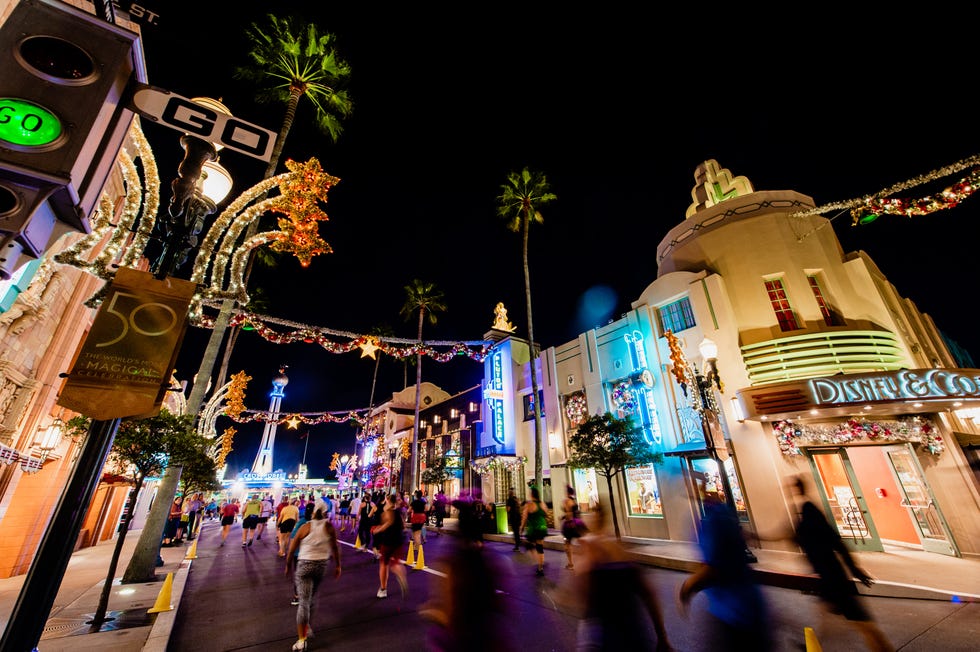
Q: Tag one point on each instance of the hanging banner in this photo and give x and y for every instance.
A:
(124, 367)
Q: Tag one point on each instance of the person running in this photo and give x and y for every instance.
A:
(834, 565)
(228, 514)
(250, 519)
(306, 517)
(343, 511)
(286, 522)
(313, 546)
(389, 536)
(534, 524)
(268, 509)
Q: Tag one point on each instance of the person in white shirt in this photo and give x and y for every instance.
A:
(316, 544)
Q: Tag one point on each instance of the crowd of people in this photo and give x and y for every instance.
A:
(617, 608)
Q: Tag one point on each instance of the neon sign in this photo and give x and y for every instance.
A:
(493, 394)
(915, 384)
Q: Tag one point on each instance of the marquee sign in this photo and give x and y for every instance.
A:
(907, 391)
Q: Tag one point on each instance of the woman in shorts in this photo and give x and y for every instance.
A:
(287, 519)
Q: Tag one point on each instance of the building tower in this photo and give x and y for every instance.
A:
(263, 458)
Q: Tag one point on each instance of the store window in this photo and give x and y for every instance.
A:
(676, 316)
(586, 489)
(529, 405)
(642, 491)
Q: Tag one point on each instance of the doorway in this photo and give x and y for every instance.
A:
(917, 498)
(843, 499)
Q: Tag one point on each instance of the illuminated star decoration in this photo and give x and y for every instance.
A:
(293, 422)
(368, 348)
(299, 202)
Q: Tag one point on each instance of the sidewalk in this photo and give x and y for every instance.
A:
(899, 573)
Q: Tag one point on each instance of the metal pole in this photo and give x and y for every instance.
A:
(44, 578)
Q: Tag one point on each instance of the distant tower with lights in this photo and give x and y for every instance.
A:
(263, 458)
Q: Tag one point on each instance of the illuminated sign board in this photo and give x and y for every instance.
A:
(262, 477)
(917, 384)
(27, 125)
(493, 394)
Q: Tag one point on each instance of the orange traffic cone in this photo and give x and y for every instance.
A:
(410, 559)
(357, 542)
(810, 637)
(420, 561)
(192, 551)
(163, 598)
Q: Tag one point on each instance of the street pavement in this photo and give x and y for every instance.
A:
(230, 598)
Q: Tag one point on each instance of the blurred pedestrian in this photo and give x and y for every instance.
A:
(314, 545)
(514, 517)
(834, 565)
(615, 599)
(736, 607)
(228, 514)
(572, 526)
(288, 516)
(389, 537)
(365, 514)
(304, 518)
(268, 509)
(440, 502)
(195, 508)
(417, 517)
(170, 537)
(534, 524)
(466, 609)
(250, 519)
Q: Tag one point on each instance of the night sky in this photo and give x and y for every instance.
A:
(617, 107)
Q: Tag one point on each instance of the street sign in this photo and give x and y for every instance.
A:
(185, 115)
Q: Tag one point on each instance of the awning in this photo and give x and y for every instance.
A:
(967, 439)
(688, 449)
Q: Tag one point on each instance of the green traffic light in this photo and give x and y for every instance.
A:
(27, 125)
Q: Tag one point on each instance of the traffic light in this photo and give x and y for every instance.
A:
(63, 75)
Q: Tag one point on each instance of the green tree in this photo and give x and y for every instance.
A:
(141, 448)
(175, 437)
(436, 472)
(427, 300)
(609, 445)
(519, 200)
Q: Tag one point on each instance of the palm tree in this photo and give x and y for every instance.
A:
(425, 298)
(519, 199)
(291, 59)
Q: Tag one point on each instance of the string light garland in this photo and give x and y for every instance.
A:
(867, 200)
(308, 418)
(947, 198)
(913, 429)
(494, 462)
(324, 337)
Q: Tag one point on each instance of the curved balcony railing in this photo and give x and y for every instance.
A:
(822, 354)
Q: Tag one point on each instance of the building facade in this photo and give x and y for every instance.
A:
(822, 369)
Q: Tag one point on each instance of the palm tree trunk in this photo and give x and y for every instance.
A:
(99, 618)
(270, 171)
(418, 406)
(538, 463)
(142, 566)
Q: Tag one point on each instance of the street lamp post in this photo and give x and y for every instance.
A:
(189, 207)
(715, 441)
